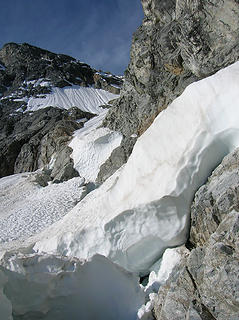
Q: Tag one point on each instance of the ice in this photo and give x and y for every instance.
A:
(86, 99)
(144, 208)
(54, 287)
(92, 146)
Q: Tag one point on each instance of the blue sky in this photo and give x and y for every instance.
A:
(97, 32)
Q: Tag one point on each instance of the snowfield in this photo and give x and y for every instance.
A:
(130, 219)
(26, 208)
(92, 145)
(86, 99)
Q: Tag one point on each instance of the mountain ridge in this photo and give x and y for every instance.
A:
(29, 76)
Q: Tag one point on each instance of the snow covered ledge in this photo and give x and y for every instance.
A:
(144, 208)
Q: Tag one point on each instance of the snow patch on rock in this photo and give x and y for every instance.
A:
(92, 146)
(87, 99)
(158, 276)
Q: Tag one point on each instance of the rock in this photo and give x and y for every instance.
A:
(29, 141)
(42, 178)
(215, 199)
(205, 285)
(32, 140)
(23, 62)
(63, 169)
(179, 42)
(116, 159)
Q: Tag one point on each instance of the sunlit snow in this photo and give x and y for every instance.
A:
(143, 209)
(86, 99)
(27, 208)
(92, 146)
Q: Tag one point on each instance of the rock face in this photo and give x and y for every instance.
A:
(206, 285)
(29, 141)
(25, 63)
(178, 43)
(39, 139)
(215, 200)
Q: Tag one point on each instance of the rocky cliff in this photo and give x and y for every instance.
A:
(205, 285)
(179, 42)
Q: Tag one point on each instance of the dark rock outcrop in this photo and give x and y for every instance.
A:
(30, 140)
(24, 62)
(205, 286)
(179, 42)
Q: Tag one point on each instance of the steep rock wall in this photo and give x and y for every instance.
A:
(179, 42)
(205, 285)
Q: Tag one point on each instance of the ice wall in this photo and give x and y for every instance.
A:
(52, 287)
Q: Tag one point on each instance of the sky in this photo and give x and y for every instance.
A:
(97, 32)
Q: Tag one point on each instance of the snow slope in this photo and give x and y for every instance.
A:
(86, 99)
(26, 208)
(144, 208)
(92, 146)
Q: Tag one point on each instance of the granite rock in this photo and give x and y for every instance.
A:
(206, 285)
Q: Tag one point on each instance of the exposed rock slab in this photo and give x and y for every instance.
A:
(215, 199)
(206, 286)
(28, 141)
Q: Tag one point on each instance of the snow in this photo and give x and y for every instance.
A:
(92, 146)
(130, 219)
(39, 82)
(162, 270)
(26, 208)
(86, 99)
(144, 207)
(54, 287)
